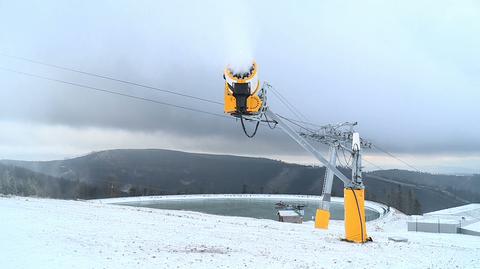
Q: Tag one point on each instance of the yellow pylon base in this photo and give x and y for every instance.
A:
(322, 218)
(355, 228)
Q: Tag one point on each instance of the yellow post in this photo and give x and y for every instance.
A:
(355, 229)
(322, 218)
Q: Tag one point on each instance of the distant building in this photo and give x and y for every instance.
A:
(463, 219)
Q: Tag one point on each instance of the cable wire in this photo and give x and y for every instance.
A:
(395, 157)
(296, 124)
(268, 122)
(127, 95)
(144, 85)
(345, 158)
(113, 92)
(306, 122)
(245, 130)
(372, 164)
(288, 105)
(341, 163)
(111, 78)
(285, 101)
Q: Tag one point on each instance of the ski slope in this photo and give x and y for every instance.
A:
(46, 233)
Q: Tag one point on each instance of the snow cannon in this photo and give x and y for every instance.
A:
(242, 91)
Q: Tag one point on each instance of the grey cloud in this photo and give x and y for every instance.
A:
(380, 64)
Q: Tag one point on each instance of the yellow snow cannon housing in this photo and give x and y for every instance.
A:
(241, 92)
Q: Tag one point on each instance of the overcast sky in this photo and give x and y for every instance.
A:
(407, 71)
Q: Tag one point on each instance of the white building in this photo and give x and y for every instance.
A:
(289, 216)
(463, 219)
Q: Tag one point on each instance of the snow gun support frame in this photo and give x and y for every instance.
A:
(245, 99)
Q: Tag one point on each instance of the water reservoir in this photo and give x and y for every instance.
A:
(254, 206)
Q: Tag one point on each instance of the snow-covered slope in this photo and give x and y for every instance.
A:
(44, 233)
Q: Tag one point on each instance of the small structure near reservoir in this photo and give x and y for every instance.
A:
(289, 216)
(290, 213)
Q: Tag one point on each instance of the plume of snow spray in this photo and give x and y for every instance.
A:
(239, 38)
(240, 60)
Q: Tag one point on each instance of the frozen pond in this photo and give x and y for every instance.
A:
(255, 207)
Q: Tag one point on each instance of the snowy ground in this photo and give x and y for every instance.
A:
(44, 233)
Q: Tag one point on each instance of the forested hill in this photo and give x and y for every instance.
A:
(154, 171)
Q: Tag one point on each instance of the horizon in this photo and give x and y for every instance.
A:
(272, 158)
